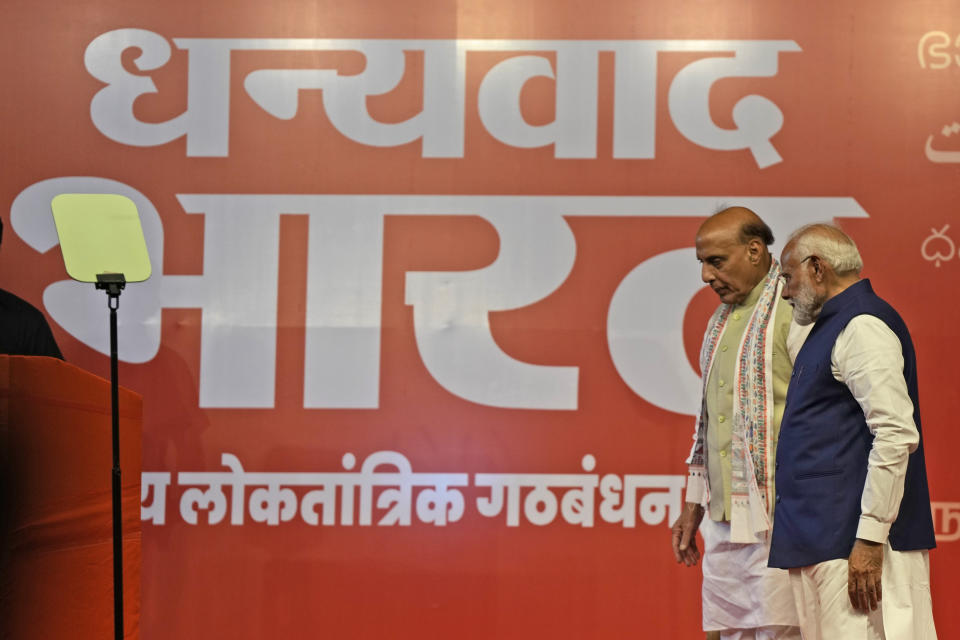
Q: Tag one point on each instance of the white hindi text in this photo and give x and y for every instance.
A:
(387, 492)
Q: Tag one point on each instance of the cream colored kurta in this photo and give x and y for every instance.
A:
(739, 590)
(720, 395)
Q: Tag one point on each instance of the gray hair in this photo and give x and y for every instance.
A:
(829, 243)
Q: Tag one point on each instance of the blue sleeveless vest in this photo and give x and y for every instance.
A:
(824, 444)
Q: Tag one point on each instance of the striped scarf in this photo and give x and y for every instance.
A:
(752, 451)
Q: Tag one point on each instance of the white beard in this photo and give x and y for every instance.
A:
(806, 307)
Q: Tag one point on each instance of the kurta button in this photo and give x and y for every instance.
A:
(736, 316)
(721, 419)
(723, 453)
(722, 383)
(778, 497)
(723, 348)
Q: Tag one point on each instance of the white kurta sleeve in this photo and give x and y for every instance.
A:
(696, 487)
(868, 358)
(697, 490)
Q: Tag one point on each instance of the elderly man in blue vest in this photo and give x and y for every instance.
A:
(852, 520)
(746, 370)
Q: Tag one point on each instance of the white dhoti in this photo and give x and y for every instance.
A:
(905, 611)
(740, 592)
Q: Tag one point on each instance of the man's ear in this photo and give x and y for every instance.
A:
(755, 248)
(819, 268)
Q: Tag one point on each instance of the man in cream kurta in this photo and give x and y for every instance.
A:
(744, 358)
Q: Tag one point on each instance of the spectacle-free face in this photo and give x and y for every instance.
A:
(730, 266)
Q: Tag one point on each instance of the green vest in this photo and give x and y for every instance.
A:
(720, 394)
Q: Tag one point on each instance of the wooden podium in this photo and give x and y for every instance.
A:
(56, 565)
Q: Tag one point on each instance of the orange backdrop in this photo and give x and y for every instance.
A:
(538, 164)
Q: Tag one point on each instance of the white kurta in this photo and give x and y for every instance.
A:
(868, 358)
(739, 590)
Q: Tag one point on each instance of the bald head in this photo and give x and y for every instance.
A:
(740, 219)
(732, 249)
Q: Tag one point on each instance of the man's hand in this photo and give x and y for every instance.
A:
(863, 575)
(684, 534)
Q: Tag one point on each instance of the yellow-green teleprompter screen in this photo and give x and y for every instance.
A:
(100, 233)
